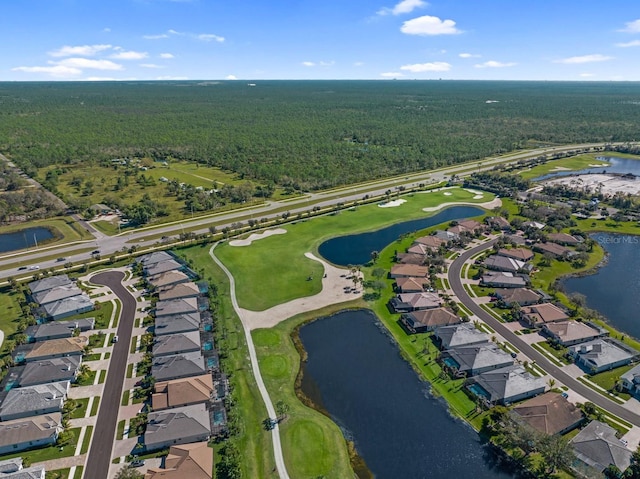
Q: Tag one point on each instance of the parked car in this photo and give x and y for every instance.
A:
(137, 463)
(115, 339)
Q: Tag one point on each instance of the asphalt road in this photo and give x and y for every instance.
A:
(554, 371)
(111, 244)
(104, 433)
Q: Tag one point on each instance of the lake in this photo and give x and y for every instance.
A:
(25, 238)
(356, 249)
(355, 373)
(618, 165)
(614, 290)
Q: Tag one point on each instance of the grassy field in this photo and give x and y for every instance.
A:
(579, 162)
(313, 445)
(11, 313)
(253, 442)
(263, 282)
(608, 379)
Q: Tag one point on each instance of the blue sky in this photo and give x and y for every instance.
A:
(320, 39)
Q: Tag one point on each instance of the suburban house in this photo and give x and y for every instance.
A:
(498, 223)
(31, 432)
(631, 381)
(192, 461)
(602, 354)
(410, 258)
(411, 285)
(521, 296)
(431, 242)
(100, 209)
(406, 302)
(48, 283)
(446, 236)
(466, 226)
(553, 249)
(167, 279)
(58, 329)
(458, 335)
(506, 385)
(568, 333)
(54, 348)
(13, 469)
(178, 366)
(66, 307)
(428, 320)
(521, 254)
(34, 400)
(418, 248)
(182, 392)
(56, 294)
(597, 446)
(408, 270)
(563, 239)
(177, 426)
(499, 279)
(177, 323)
(502, 263)
(538, 314)
(476, 359)
(161, 267)
(44, 371)
(170, 344)
(550, 413)
(154, 258)
(179, 290)
(176, 306)
(533, 224)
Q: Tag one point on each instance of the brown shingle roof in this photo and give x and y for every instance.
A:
(543, 313)
(522, 254)
(181, 392)
(549, 413)
(189, 461)
(431, 242)
(409, 270)
(411, 285)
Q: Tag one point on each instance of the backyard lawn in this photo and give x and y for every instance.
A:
(262, 281)
(579, 162)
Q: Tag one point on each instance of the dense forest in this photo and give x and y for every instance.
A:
(306, 134)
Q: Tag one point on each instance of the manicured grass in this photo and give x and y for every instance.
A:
(92, 357)
(120, 429)
(81, 408)
(101, 313)
(481, 290)
(261, 280)
(548, 274)
(87, 440)
(591, 385)
(59, 474)
(125, 398)
(313, 445)
(579, 162)
(48, 453)
(556, 353)
(103, 376)
(608, 379)
(129, 370)
(253, 442)
(87, 380)
(11, 313)
(95, 405)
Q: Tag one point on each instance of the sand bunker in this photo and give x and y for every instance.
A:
(473, 192)
(477, 197)
(601, 165)
(561, 168)
(496, 202)
(257, 236)
(447, 193)
(392, 204)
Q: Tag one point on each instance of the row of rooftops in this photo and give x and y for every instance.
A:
(59, 297)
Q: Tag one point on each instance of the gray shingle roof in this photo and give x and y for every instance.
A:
(177, 426)
(49, 283)
(176, 343)
(508, 383)
(68, 306)
(153, 258)
(177, 366)
(176, 306)
(58, 329)
(56, 294)
(176, 323)
(34, 472)
(598, 446)
(21, 402)
(161, 267)
(474, 359)
(601, 352)
(46, 371)
(460, 335)
(168, 278)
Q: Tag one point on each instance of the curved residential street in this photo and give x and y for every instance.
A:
(461, 293)
(99, 458)
(275, 432)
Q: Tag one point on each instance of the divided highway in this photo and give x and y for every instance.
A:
(456, 285)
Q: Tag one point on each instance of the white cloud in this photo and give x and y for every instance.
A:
(308, 64)
(469, 55)
(207, 37)
(358, 64)
(231, 77)
(171, 78)
(632, 27)
(585, 59)
(155, 37)
(150, 65)
(174, 32)
(427, 67)
(587, 75)
(106, 29)
(633, 43)
(55, 70)
(327, 64)
(391, 74)
(428, 25)
(494, 64)
(89, 63)
(101, 79)
(129, 55)
(82, 50)
(404, 6)
(166, 55)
